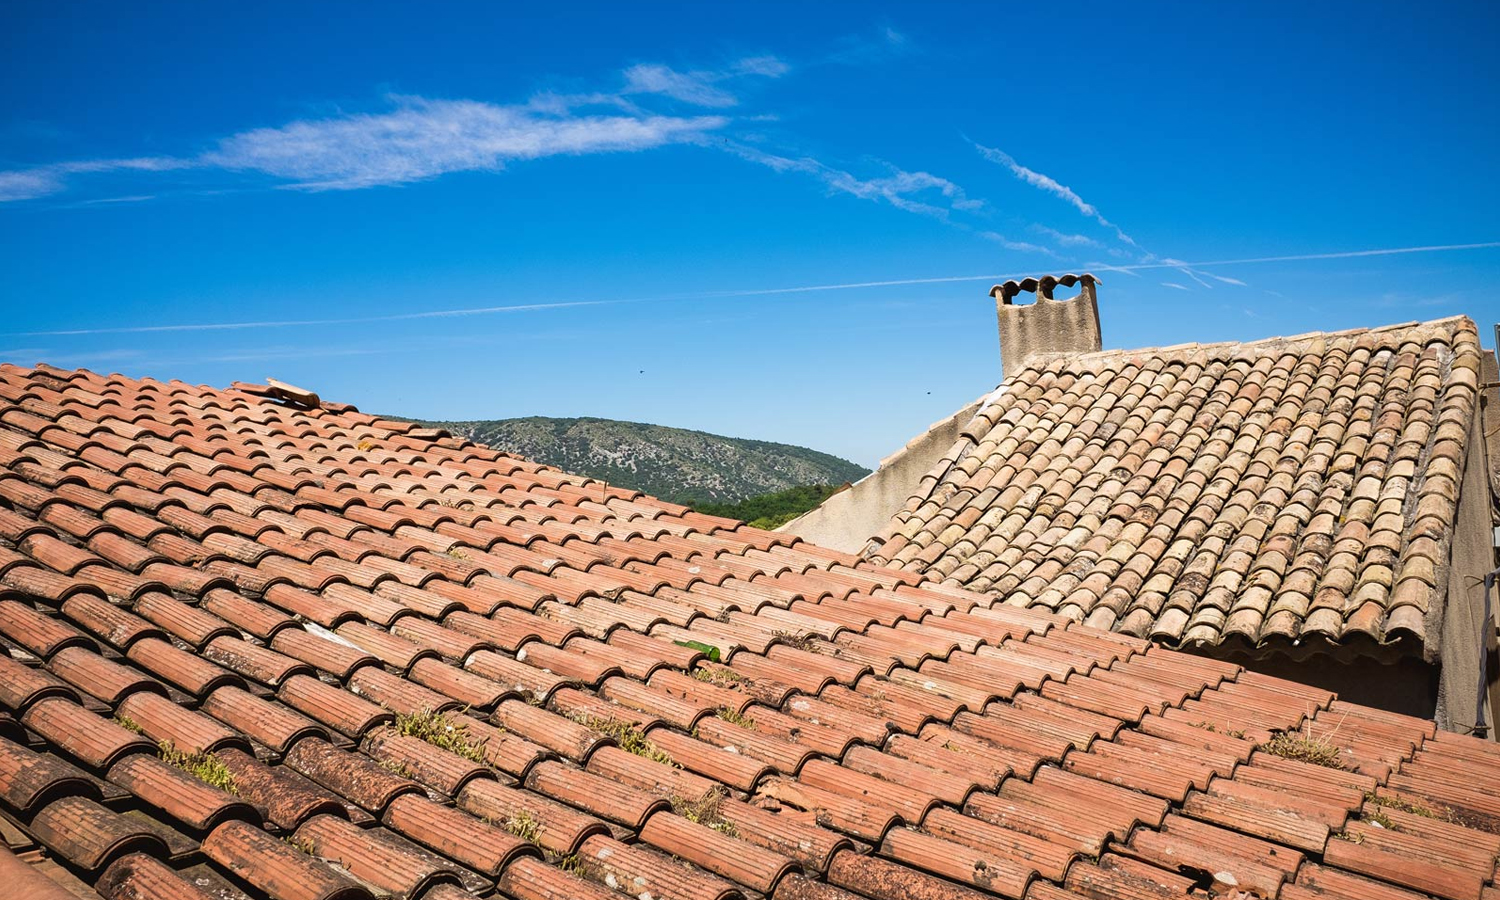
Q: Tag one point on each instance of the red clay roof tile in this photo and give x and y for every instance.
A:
(974, 748)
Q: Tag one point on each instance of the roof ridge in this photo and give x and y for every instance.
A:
(1047, 360)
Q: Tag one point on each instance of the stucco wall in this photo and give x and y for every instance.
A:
(848, 519)
(1468, 636)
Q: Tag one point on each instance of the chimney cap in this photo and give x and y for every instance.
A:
(1042, 287)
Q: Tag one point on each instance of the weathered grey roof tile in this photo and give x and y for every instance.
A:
(1267, 491)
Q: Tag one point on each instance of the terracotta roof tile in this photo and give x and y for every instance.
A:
(1260, 494)
(300, 601)
(90, 836)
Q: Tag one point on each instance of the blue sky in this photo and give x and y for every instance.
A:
(479, 211)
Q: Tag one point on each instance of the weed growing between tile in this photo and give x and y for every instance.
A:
(1397, 803)
(441, 731)
(734, 717)
(630, 738)
(205, 767)
(573, 864)
(524, 826)
(1214, 729)
(1304, 746)
(719, 677)
(705, 811)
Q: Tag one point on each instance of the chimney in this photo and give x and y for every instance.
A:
(1048, 325)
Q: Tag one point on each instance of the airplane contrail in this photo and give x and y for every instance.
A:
(294, 323)
(711, 295)
(1348, 254)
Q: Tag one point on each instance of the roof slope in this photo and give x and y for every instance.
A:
(1282, 492)
(253, 649)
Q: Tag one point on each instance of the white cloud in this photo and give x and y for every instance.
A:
(1064, 239)
(1020, 246)
(1234, 281)
(132, 198)
(698, 87)
(900, 189)
(1182, 267)
(871, 48)
(308, 323)
(1302, 257)
(1052, 186)
(422, 139)
(1179, 287)
(767, 66)
(689, 87)
(43, 181)
(28, 184)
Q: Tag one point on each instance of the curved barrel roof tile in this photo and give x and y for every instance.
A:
(253, 644)
(1294, 493)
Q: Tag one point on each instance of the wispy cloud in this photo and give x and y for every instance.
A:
(1185, 269)
(1343, 254)
(304, 323)
(1052, 186)
(420, 138)
(1125, 269)
(1021, 246)
(702, 295)
(1063, 239)
(1234, 281)
(28, 184)
(700, 87)
(43, 181)
(875, 46)
(916, 192)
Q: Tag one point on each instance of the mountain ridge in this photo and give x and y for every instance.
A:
(680, 465)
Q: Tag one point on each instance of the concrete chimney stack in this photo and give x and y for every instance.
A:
(1048, 325)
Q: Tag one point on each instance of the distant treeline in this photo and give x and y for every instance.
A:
(772, 510)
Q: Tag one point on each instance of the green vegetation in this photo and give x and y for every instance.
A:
(1405, 806)
(1211, 727)
(630, 738)
(706, 811)
(524, 826)
(735, 717)
(205, 767)
(772, 510)
(395, 767)
(690, 467)
(1305, 748)
(719, 677)
(441, 731)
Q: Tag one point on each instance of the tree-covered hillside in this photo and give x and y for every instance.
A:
(675, 464)
(773, 510)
